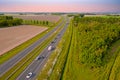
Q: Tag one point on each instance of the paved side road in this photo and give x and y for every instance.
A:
(36, 66)
(14, 60)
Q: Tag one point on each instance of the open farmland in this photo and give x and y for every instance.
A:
(14, 36)
(50, 18)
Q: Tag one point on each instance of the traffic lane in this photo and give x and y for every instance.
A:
(36, 63)
(37, 71)
(33, 65)
(8, 64)
(41, 64)
(27, 70)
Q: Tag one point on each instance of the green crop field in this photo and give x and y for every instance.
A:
(91, 51)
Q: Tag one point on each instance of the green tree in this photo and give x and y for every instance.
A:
(47, 22)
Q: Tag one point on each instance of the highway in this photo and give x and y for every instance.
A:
(14, 60)
(37, 65)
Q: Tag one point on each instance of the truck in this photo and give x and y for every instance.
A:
(49, 48)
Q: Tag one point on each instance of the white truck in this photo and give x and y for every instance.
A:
(29, 75)
(49, 48)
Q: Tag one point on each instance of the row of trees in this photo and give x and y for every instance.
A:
(6, 21)
(45, 23)
(95, 37)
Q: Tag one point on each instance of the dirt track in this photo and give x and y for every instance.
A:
(14, 36)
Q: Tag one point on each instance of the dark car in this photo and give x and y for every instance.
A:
(39, 57)
(53, 41)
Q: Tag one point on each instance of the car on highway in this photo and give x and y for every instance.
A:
(56, 38)
(39, 57)
(53, 41)
(29, 75)
(59, 34)
(49, 48)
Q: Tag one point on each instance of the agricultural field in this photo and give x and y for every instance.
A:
(14, 36)
(50, 18)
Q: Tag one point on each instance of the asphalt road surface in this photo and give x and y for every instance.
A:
(36, 66)
(14, 60)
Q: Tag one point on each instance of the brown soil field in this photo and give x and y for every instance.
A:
(50, 18)
(13, 36)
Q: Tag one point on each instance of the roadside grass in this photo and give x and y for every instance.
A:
(44, 74)
(115, 71)
(6, 56)
(47, 70)
(15, 71)
(113, 57)
(58, 68)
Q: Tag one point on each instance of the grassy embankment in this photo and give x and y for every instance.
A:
(115, 69)
(24, 45)
(28, 59)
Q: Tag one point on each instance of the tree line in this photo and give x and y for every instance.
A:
(96, 35)
(37, 22)
(6, 21)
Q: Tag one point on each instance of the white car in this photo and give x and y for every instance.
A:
(29, 75)
(49, 48)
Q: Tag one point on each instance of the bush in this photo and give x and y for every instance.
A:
(96, 34)
(9, 21)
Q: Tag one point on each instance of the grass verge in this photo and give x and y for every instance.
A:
(59, 66)
(55, 65)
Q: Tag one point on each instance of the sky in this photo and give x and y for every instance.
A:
(59, 5)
